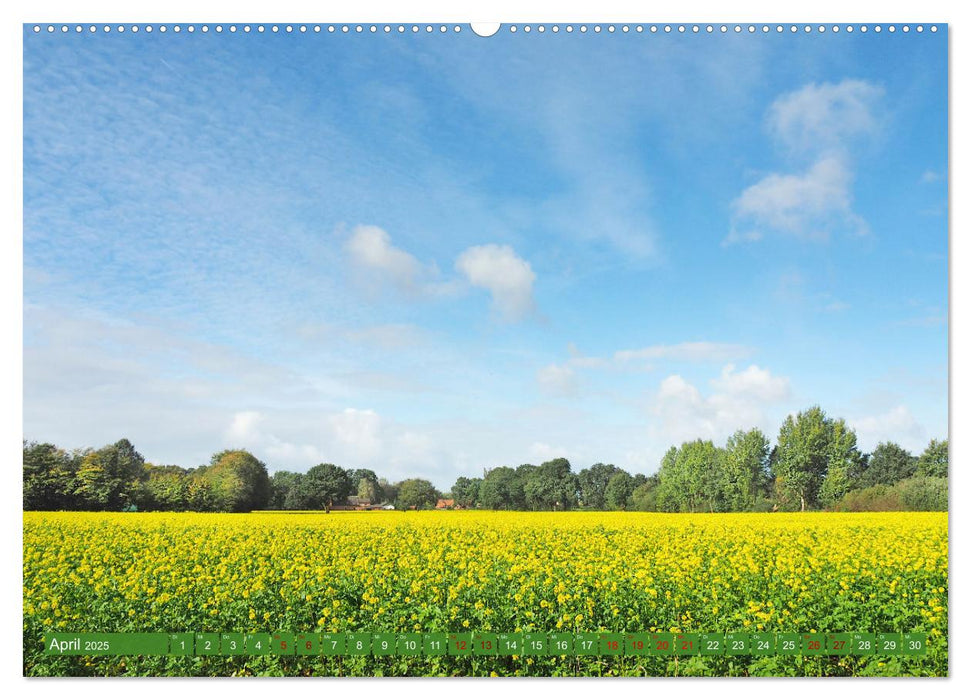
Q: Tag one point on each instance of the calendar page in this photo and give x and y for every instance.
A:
(477, 350)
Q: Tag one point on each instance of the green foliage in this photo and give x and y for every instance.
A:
(619, 490)
(888, 464)
(416, 494)
(923, 493)
(836, 485)
(366, 485)
(389, 491)
(551, 486)
(327, 485)
(933, 461)
(465, 491)
(592, 483)
(816, 463)
(809, 444)
(502, 489)
(109, 478)
(745, 469)
(367, 491)
(202, 496)
(691, 479)
(49, 474)
(644, 496)
(288, 491)
(238, 481)
(166, 488)
(871, 499)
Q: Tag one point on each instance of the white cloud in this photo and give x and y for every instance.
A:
(687, 352)
(740, 401)
(542, 452)
(897, 425)
(370, 247)
(754, 382)
(557, 380)
(677, 389)
(819, 118)
(507, 277)
(809, 205)
(360, 429)
(496, 268)
(930, 176)
(244, 426)
(823, 123)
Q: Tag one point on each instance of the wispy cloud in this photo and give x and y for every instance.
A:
(823, 124)
(557, 380)
(836, 306)
(930, 320)
(809, 205)
(700, 351)
(825, 117)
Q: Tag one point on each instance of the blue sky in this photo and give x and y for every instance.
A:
(437, 253)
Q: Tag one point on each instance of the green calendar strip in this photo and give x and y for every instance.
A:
(601, 644)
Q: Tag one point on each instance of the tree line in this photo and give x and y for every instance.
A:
(117, 478)
(815, 464)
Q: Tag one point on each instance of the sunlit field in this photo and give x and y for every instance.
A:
(485, 571)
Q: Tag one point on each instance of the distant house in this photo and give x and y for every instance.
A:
(445, 504)
(358, 503)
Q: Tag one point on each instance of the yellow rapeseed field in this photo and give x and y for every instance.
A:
(485, 571)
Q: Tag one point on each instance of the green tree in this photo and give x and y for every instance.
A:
(389, 491)
(502, 489)
(288, 491)
(366, 485)
(465, 491)
(808, 445)
(691, 478)
(202, 496)
(327, 485)
(551, 486)
(845, 461)
(48, 476)
(644, 496)
(166, 488)
(745, 469)
(367, 491)
(592, 483)
(619, 490)
(416, 493)
(110, 478)
(933, 461)
(835, 486)
(238, 481)
(888, 464)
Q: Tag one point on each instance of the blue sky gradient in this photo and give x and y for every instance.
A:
(430, 254)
